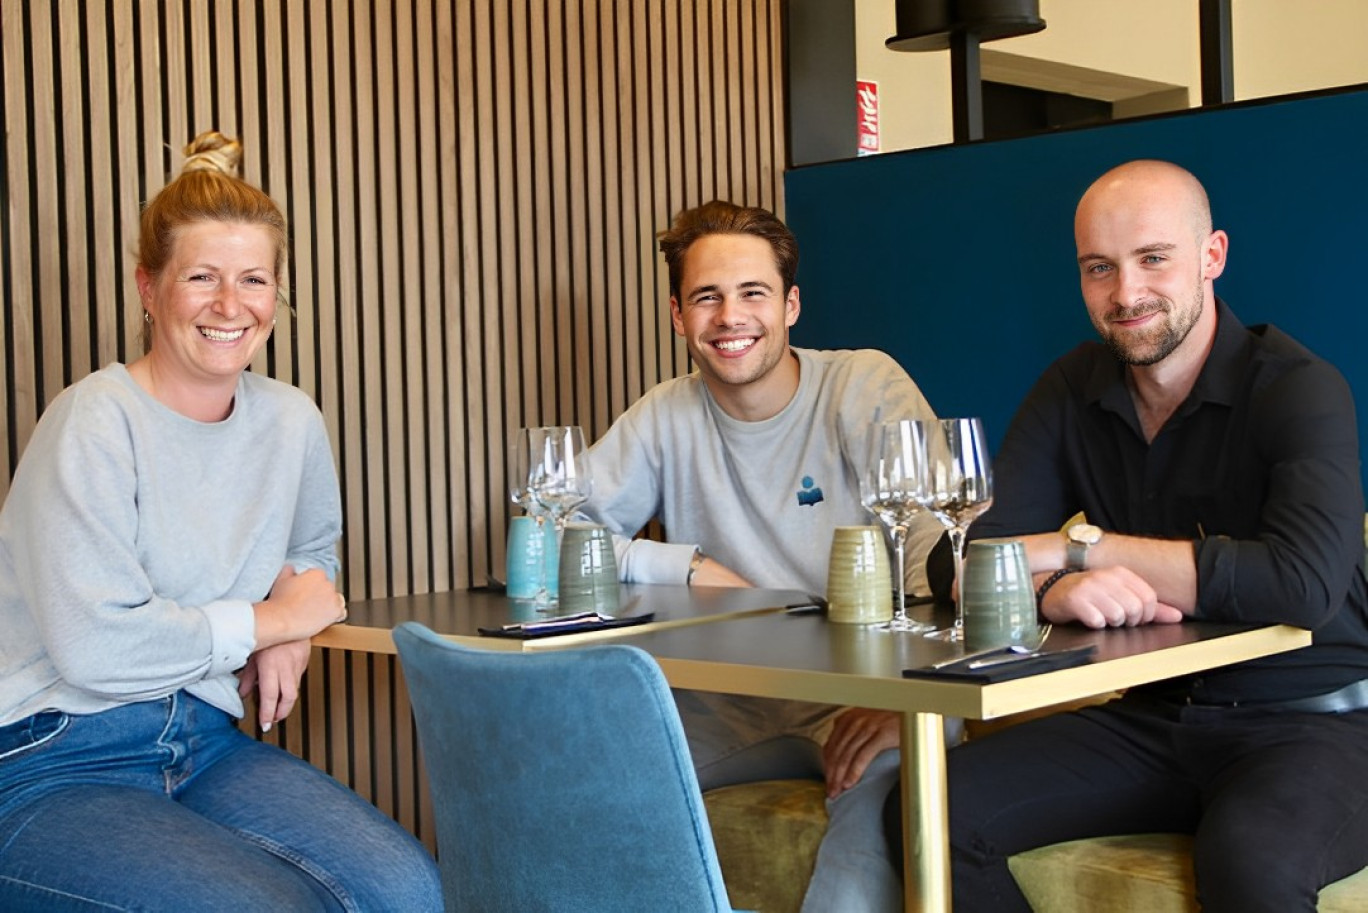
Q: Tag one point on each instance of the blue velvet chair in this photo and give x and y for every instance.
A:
(560, 780)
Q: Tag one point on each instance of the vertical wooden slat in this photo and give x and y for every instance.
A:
(198, 48)
(18, 397)
(583, 181)
(268, 137)
(127, 136)
(234, 77)
(454, 108)
(779, 155)
(315, 189)
(656, 208)
(377, 128)
(505, 329)
(527, 68)
(335, 130)
(608, 319)
(101, 234)
(176, 85)
(42, 326)
(543, 113)
(434, 30)
(363, 297)
(287, 120)
(555, 299)
(73, 247)
(411, 263)
(477, 237)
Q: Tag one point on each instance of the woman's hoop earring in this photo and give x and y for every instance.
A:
(147, 317)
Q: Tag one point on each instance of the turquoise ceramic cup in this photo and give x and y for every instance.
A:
(532, 558)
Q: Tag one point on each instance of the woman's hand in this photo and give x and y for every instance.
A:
(300, 605)
(275, 673)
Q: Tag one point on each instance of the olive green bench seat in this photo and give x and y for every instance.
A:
(1136, 873)
(767, 835)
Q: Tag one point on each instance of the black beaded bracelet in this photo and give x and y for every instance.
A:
(1051, 581)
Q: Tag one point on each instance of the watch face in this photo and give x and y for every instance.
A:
(1085, 533)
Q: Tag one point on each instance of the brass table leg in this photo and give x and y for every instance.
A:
(926, 820)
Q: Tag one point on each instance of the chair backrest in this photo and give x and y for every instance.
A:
(560, 780)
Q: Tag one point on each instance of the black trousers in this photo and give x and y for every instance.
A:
(1277, 802)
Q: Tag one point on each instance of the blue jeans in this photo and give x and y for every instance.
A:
(166, 805)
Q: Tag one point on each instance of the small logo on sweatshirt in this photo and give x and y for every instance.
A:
(809, 494)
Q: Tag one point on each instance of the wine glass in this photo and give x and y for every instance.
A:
(558, 478)
(959, 488)
(520, 492)
(892, 489)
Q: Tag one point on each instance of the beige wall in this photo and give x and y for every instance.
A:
(1277, 47)
(1282, 47)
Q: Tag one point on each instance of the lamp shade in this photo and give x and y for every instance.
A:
(926, 25)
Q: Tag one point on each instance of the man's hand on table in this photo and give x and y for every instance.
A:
(857, 736)
(1105, 597)
(715, 573)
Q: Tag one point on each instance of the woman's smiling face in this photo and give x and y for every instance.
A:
(213, 305)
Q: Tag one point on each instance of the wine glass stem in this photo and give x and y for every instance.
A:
(957, 544)
(543, 595)
(900, 548)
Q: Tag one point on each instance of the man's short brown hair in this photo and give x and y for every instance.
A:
(722, 218)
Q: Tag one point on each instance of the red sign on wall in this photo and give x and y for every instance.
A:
(866, 116)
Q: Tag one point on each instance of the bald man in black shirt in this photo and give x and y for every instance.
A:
(1218, 470)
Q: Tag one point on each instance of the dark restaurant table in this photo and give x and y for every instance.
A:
(750, 642)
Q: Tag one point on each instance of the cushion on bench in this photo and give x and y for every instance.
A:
(766, 835)
(1136, 873)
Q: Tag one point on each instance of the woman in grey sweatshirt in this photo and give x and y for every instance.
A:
(168, 546)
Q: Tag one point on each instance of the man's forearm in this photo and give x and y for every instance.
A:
(1168, 565)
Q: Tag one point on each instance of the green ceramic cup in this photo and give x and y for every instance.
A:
(859, 584)
(998, 595)
(588, 570)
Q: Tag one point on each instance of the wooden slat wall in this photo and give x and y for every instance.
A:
(473, 187)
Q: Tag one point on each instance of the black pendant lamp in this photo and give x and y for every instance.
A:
(927, 25)
(961, 25)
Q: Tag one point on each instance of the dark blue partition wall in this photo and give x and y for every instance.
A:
(959, 260)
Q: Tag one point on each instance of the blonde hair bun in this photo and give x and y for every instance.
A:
(212, 151)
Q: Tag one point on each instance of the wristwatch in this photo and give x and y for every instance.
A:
(694, 565)
(1079, 538)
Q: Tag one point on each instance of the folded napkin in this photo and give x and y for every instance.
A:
(565, 624)
(1004, 665)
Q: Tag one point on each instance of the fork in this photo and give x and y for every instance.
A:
(1018, 649)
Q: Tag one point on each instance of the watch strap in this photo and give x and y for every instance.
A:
(694, 565)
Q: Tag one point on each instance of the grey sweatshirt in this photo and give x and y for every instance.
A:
(760, 497)
(134, 541)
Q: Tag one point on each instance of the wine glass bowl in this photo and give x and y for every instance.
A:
(892, 489)
(558, 471)
(959, 489)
